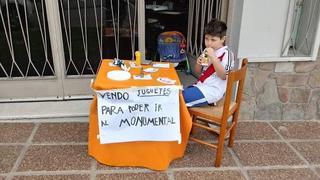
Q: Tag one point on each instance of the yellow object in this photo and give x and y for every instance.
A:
(138, 58)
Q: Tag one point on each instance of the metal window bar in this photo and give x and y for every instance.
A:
(132, 19)
(43, 66)
(24, 34)
(88, 65)
(68, 37)
(43, 34)
(116, 35)
(17, 65)
(99, 33)
(200, 12)
(132, 27)
(75, 17)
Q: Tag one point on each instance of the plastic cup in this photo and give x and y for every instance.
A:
(138, 58)
(205, 59)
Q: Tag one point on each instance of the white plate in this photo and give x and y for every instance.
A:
(118, 75)
(151, 70)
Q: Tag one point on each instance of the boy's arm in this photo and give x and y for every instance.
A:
(221, 73)
(214, 60)
(198, 67)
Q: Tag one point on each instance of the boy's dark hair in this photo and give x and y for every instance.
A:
(216, 28)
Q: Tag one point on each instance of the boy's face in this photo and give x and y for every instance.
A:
(214, 42)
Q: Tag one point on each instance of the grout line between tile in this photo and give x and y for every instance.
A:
(282, 120)
(3, 175)
(193, 169)
(76, 119)
(112, 171)
(44, 173)
(296, 151)
(93, 169)
(276, 140)
(257, 141)
(170, 174)
(45, 144)
(238, 163)
(276, 167)
(23, 152)
(209, 140)
(244, 167)
(61, 144)
(303, 140)
(200, 169)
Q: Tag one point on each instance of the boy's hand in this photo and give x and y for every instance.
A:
(199, 60)
(212, 55)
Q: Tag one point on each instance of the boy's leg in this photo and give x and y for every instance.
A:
(194, 97)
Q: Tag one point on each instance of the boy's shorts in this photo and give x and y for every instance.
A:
(193, 97)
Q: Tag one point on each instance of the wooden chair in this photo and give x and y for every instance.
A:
(220, 113)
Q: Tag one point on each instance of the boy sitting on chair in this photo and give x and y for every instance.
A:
(215, 62)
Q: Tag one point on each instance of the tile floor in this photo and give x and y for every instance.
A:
(32, 149)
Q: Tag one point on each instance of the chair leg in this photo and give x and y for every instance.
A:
(233, 130)
(219, 150)
(220, 146)
(194, 119)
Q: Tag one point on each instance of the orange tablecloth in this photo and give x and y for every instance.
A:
(154, 155)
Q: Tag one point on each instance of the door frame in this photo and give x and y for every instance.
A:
(60, 86)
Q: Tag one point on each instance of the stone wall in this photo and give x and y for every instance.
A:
(282, 90)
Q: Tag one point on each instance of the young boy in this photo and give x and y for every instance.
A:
(212, 83)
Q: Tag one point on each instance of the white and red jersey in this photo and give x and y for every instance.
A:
(211, 86)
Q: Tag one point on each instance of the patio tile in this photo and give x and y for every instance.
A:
(52, 177)
(204, 135)
(15, 132)
(279, 174)
(255, 131)
(198, 155)
(54, 158)
(62, 132)
(8, 156)
(116, 168)
(266, 154)
(298, 130)
(221, 175)
(309, 150)
(133, 176)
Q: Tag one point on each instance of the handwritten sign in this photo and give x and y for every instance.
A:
(139, 114)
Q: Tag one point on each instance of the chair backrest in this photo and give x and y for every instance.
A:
(215, 118)
(172, 46)
(235, 76)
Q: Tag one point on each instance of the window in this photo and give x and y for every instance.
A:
(302, 28)
(274, 30)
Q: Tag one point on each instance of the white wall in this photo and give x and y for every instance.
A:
(262, 28)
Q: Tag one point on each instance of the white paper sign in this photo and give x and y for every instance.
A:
(139, 114)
